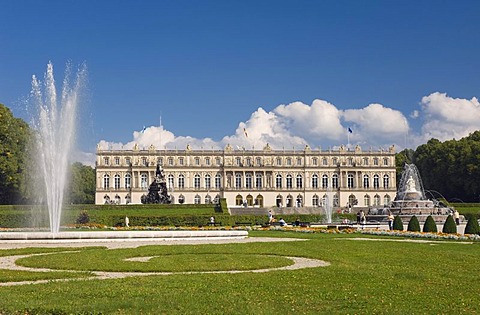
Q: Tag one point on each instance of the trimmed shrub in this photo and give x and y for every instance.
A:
(430, 226)
(413, 225)
(472, 226)
(397, 223)
(83, 217)
(449, 226)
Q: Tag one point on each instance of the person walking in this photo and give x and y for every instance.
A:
(390, 221)
(457, 217)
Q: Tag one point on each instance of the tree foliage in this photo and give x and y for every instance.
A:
(82, 184)
(15, 135)
(413, 224)
(472, 226)
(430, 225)
(398, 223)
(449, 226)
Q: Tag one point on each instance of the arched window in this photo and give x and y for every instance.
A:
(208, 181)
(144, 181)
(196, 181)
(324, 162)
(128, 199)
(386, 200)
(350, 183)
(250, 200)
(352, 200)
(248, 181)
(117, 199)
(299, 201)
(386, 181)
(218, 181)
(315, 201)
(366, 201)
(181, 182)
(279, 200)
(128, 180)
(376, 182)
(208, 199)
(106, 181)
(336, 202)
(117, 181)
(366, 181)
(171, 181)
(335, 181)
(181, 199)
(238, 180)
(239, 200)
(299, 181)
(197, 200)
(259, 201)
(324, 181)
(258, 180)
(278, 182)
(376, 200)
(289, 201)
(314, 181)
(289, 181)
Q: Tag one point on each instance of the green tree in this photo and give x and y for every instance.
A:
(430, 226)
(82, 184)
(413, 225)
(449, 226)
(15, 136)
(472, 226)
(397, 223)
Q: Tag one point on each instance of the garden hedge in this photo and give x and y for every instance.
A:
(430, 225)
(413, 224)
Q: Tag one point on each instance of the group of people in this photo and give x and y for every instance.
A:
(271, 219)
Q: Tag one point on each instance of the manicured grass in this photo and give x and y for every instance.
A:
(365, 277)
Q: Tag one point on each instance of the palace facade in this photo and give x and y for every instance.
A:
(262, 178)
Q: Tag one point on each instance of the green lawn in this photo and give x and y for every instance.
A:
(364, 277)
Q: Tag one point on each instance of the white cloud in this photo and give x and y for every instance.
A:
(447, 118)
(322, 124)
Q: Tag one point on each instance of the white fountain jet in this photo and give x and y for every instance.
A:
(55, 131)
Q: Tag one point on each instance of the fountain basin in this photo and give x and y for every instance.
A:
(121, 235)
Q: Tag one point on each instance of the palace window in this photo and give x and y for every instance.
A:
(366, 201)
(181, 199)
(334, 181)
(117, 161)
(315, 201)
(385, 161)
(207, 161)
(258, 181)
(336, 203)
(289, 161)
(248, 161)
(160, 161)
(366, 181)
(144, 161)
(376, 182)
(324, 162)
(314, 181)
(171, 180)
(258, 161)
(289, 182)
(197, 200)
(208, 199)
(197, 161)
(218, 181)
(238, 161)
(335, 161)
(278, 181)
(350, 161)
(207, 181)
(196, 181)
(386, 181)
(106, 161)
(128, 180)
(106, 181)
(299, 161)
(218, 161)
(375, 161)
(180, 161)
(116, 179)
(238, 181)
(279, 161)
(181, 181)
(170, 161)
(248, 181)
(365, 161)
(376, 200)
(299, 181)
(144, 181)
(386, 200)
(314, 161)
(350, 183)
(127, 161)
(324, 181)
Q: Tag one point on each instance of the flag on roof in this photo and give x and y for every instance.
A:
(245, 131)
(350, 130)
(143, 130)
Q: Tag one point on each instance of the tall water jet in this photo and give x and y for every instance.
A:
(55, 132)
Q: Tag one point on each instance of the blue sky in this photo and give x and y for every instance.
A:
(289, 72)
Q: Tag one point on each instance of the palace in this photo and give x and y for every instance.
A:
(256, 178)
